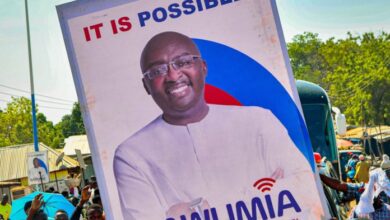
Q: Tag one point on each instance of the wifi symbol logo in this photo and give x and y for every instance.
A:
(264, 184)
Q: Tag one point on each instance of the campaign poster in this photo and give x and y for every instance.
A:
(37, 167)
(191, 109)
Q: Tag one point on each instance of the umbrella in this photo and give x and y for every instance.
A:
(344, 143)
(53, 202)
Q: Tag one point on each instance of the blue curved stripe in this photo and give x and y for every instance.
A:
(42, 164)
(252, 85)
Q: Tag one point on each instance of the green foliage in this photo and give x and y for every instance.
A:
(354, 71)
(47, 133)
(16, 125)
(72, 124)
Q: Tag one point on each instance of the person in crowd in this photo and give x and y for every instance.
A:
(355, 190)
(93, 182)
(370, 202)
(35, 212)
(350, 190)
(94, 188)
(84, 198)
(350, 168)
(65, 194)
(95, 212)
(61, 215)
(74, 201)
(362, 170)
(97, 200)
(5, 207)
(379, 182)
(73, 181)
(27, 207)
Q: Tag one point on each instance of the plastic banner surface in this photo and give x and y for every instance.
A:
(191, 109)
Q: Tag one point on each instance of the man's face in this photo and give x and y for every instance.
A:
(36, 163)
(179, 91)
(61, 216)
(94, 214)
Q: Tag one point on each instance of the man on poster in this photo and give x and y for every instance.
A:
(37, 174)
(196, 157)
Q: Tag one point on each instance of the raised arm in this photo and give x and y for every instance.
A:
(36, 204)
(85, 195)
(334, 183)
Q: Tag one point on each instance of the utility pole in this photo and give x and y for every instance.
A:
(34, 118)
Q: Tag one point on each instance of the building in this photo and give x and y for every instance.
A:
(13, 172)
(80, 142)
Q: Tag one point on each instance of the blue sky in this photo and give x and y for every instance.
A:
(333, 18)
(52, 76)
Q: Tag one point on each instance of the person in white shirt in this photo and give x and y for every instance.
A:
(200, 158)
(37, 174)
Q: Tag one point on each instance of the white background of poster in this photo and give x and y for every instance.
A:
(42, 156)
(108, 77)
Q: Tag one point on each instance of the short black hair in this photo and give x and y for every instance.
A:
(74, 201)
(27, 206)
(40, 215)
(96, 199)
(60, 214)
(65, 194)
(61, 210)
(97, 191)
(92, 179)
(96, 207)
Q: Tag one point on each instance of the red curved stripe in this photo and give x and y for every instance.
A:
(214, 95)
(264, 185)
(266, 189)
(263, 179)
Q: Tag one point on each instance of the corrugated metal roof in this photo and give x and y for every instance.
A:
(76, 142)
(13, 160)
(372, 131)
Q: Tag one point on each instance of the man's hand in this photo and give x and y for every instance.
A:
(36, 204)
(85, 195)
(186, 208)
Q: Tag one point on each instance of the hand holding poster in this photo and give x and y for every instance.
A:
(195, 160)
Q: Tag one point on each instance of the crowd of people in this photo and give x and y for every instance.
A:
(370, 189)
(357, 169)
(84, 209)
(87, 204)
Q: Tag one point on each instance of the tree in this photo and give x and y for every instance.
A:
(48, 133)
(16, 125)
(354, 71)
(72, 124)
(305, 57)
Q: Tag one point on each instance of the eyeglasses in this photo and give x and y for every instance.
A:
(179, 63)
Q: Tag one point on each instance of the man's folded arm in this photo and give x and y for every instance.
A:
(280, 151)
